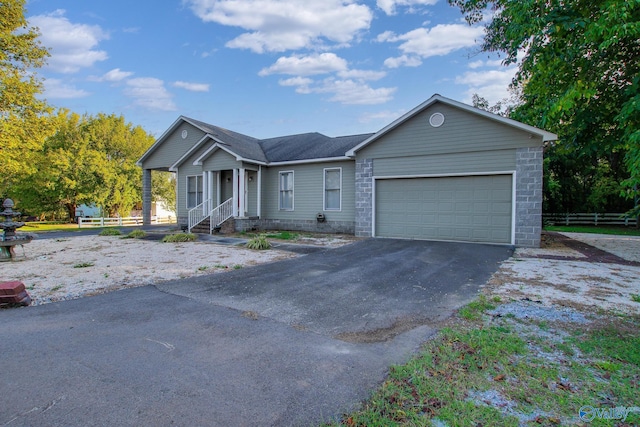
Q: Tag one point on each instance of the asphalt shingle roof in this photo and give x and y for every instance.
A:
(304, 146)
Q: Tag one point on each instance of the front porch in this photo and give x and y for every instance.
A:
(222, 195)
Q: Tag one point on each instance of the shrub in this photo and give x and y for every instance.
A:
(259, 242)
(136, 234)
(110, 232)
(179, 237)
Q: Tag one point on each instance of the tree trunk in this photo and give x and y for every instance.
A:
(71, 210)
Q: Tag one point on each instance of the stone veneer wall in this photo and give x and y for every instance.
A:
(364, 197)
(528, 196)
(249, 224)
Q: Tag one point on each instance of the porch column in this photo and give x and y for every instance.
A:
(242, 190)
(235, 192)
(259, 184)
(146, 196)
(218, 188)
(210, 186)
(205, 191)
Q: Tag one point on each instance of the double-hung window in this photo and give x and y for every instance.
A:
(333, 189)
(286, 190)
(194, 191)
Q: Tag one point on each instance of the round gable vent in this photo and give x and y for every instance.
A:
(436, 120)
(184, 134)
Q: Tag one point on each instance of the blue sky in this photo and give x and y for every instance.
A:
(261, 67)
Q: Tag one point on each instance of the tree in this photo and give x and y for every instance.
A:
(163, 188)
(89, 160)
(579, 75)
(24, 121)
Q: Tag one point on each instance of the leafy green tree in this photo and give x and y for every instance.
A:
(89, 160)
(163, 188)
(579, 75)
(24, 120)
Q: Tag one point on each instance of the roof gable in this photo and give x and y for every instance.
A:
(546, 136)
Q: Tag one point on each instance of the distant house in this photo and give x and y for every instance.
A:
(442, 171)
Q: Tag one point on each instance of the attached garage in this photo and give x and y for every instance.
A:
(476, 208)
(449, 171)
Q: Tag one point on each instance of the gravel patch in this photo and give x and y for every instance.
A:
(69, 268)
(626, 247)
(527, 310)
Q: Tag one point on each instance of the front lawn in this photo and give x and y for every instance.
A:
(623, 231)
(500, 368)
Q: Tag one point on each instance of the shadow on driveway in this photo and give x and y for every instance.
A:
(296, 342)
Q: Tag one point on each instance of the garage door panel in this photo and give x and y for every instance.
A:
(469, 208)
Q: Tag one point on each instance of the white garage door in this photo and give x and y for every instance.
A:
(467, 208)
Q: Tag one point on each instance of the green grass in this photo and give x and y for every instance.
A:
(635, 297)
(135, 234)
(179, 237)
(259, 243)
(35, 227)
(501, 371)
(83, 265)
(283, 235)
(624, 231)
(110, 232)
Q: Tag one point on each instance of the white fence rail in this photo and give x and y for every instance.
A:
(131, 221)
(588, 219)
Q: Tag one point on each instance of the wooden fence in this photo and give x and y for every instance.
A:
(588, 219)
(131, 221)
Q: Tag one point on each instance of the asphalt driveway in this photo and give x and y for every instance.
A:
(295, 342)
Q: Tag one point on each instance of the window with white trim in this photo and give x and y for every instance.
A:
(194, 191)
(286, 190)
(333, 189)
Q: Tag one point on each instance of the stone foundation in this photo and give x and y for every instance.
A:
(312, 226)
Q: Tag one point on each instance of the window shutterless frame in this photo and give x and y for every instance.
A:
(194, 191)
(285, 190)
(332, 189)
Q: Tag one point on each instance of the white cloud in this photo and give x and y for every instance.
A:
(403, 61)
(383, 117)
(115, 75)
(193, 87)
(344, 91)
(57, 89)
(389, 6)
(355, 92)
(300, 83)
(492, 85)
(280, 25)
(73, 46)
(437, 41)
(306, 65)
(149, 92)
(362, 74)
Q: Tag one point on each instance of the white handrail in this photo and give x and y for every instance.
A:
(220, 214)
(199, 213)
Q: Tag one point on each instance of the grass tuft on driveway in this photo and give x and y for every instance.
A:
(514, 365)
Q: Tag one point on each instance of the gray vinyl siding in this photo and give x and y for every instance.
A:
(461, 132)
(486, 161)
(187, 168)
(173, 148)
(252, 194)
(308, 188)
(220, 160)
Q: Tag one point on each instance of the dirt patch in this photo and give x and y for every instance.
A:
(61, 269)
(398, 327)
(594, 280)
